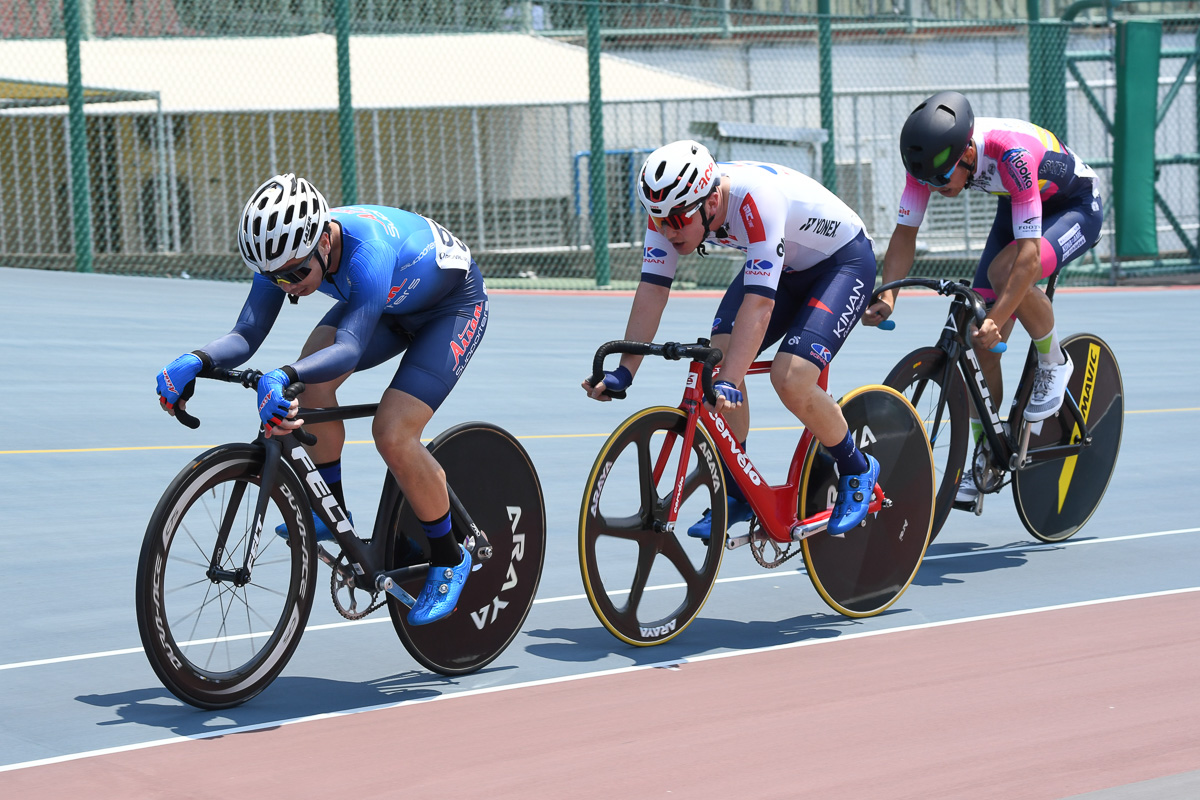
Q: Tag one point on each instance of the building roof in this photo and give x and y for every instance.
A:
(300, 72)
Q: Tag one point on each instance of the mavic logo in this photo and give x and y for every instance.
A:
(1085, 407)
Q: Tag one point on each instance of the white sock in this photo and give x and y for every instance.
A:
(1048, 349)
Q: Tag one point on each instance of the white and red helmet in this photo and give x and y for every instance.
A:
(281, 222)
(676, 176)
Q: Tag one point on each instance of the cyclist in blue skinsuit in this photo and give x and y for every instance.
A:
(402, 284)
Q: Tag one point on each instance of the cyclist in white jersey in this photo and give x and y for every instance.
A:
(808, 271)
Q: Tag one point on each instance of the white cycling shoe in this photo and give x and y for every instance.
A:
(1049, 388)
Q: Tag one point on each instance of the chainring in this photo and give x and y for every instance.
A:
(338, 583)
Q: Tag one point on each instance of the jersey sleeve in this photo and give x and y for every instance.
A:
(764, 213)
(369, 272)
(1018, 168)
(659, 258)
(913, 202)
(253, 324)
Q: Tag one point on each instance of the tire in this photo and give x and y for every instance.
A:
(215, 644)
(496, 483)
(863, 573)
(1054, 499)
(919, 376)
(624, 539)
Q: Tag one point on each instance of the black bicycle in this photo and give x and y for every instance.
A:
(222, 600)
(1059, 467)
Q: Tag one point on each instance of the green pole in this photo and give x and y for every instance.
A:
(825, 68)
(597, 180)
(349, 156)
(77, 128)
(1139, 43)
(1047, 72)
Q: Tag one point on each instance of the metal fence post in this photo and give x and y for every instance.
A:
(825, 68)
(597, 179)
(349, 156)
(80, 192)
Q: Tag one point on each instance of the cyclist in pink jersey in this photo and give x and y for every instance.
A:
(1049, 213)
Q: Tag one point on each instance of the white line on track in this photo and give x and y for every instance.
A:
(673, 663)
(987, 551)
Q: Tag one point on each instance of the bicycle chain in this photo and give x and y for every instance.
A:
(337, 583)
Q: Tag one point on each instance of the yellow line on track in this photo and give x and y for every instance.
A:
(198, 447)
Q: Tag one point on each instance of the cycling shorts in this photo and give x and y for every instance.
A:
(1070, 227)
(816, 308)
(437, 344)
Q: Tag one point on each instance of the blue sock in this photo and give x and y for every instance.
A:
(331, 473)
(443, 548)
(850, 459)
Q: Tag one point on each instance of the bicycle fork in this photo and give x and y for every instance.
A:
(241, 575)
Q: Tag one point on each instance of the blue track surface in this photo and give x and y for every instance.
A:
(85, 453)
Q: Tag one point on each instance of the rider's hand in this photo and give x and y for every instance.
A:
(175, 380)
(878, 311)
(616, 381)
(987, 335)
(275, 410)
(727, 394)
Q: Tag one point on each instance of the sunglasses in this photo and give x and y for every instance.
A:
(938, 181)
(677, 219)
(296, 274)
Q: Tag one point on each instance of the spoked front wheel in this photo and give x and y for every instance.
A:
(864, 572)
(494, 479)
(922, 377)
(215, 636)
(645, 578)
(1056, 498)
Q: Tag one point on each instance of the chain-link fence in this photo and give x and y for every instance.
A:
(484, 115)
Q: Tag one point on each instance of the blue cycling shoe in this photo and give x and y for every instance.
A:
(442, 589)
(323, 533)
(853, 498)
(739, 511)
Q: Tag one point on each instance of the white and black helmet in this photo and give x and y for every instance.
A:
(282, 221)
(676, 176)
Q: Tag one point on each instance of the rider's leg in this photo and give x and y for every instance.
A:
(815, 310)
(326, 454)
(437, 352)
(397, 429)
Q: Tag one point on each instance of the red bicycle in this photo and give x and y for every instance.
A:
(647, 583)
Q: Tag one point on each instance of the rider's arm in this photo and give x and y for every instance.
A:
(749, 329)
(901, 249)
(644, 316)
(659, 261)
(258, 315)
(370, 273)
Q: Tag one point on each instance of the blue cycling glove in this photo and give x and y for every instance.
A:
(728, 391)
(618, 380)
(273, 407)
(175, 379)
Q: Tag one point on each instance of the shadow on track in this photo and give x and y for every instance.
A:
(704, 636)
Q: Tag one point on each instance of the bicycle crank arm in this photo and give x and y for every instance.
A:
(820, 521)
(388, 585)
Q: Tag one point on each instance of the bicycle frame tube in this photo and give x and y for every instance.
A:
(774, 506)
